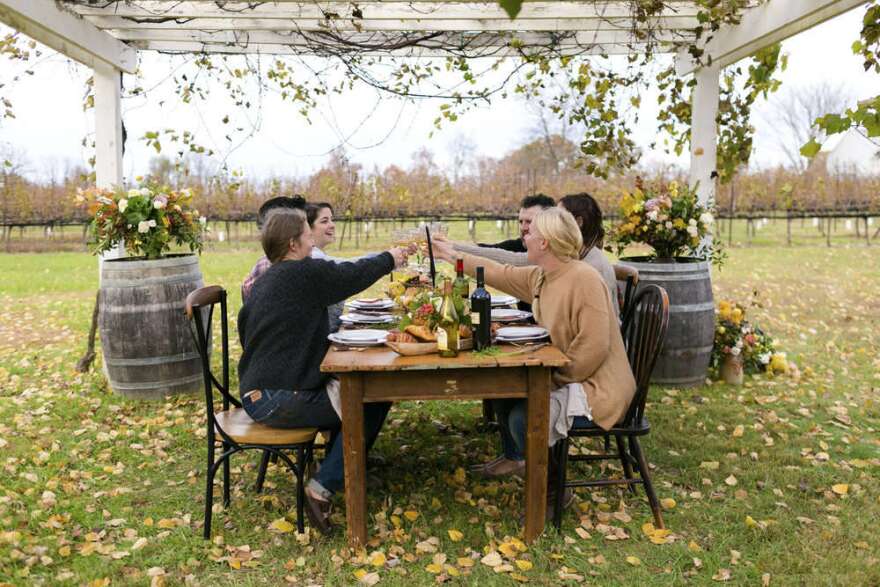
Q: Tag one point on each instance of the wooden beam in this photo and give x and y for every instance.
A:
(372, 9)
(491, 51)
(108, 136)
(74, 37)
(763, 26)
(246, 38)
(704, 133)
(230, 22)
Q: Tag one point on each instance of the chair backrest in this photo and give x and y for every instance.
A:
(644, 330)
(200, 305)
(627, 280)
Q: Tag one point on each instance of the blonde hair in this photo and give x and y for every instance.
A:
(561, 230)
(282, 226)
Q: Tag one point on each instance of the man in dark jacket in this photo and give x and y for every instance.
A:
(528, 208)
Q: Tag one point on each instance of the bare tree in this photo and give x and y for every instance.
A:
(463, 151)
(792, 114)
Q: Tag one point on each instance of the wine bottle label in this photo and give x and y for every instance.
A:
(442, 341)
(475, 318)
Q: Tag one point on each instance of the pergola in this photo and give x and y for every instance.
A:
(107, 35)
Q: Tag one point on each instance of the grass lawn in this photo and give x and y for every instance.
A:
(773, 482)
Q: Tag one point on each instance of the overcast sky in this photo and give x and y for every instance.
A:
(50, 123)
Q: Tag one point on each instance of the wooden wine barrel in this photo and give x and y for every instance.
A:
(148, 350)
(684, 359)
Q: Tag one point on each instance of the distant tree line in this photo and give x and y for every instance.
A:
(477, 185)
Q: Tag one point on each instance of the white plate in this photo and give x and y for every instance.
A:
(510, 332)
(356, 318)
(371, 305)
(503, 300)
(509, 315)
(359, 337)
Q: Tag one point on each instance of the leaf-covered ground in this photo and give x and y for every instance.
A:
(773, 482)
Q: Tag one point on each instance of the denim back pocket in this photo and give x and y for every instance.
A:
(262, 408)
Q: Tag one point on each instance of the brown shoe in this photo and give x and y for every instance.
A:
(503, 468)
(318, 511)
(482, 466)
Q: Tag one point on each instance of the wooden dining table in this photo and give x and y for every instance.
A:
(379, 374)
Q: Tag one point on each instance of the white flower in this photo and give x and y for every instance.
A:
(143, 227)
(739, 343)
(146, 192)
(652, 215)
(693, 231)
(123, 204)
(104, 200)
(160, 202)
(669, 225)
(133, 193)
(152, 223)
(734, 351)
(692, 222)
(706, 218)
(203, 221)
(765, 358)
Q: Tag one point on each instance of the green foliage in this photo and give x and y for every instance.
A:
(511, 7)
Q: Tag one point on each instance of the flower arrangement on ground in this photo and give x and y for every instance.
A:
(147, 219)
(739, 339)
(667, 217)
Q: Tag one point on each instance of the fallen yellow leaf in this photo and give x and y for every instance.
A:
(377, 559)
(434, 568)
(455, 535)
(411, 515)
(840, 488)
(523, 565)
(634, 560)
(738, 431)
(281, 525)
(667, 503)
(465, 562)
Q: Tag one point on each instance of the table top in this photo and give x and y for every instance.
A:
(384, 359)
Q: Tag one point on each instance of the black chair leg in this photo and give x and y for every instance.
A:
(488, 413)
(301, 461)
(261, 474)
(226, 498)
(561, 450)
(607, 443)
(624, 460)
(646, 477)
(209, 490)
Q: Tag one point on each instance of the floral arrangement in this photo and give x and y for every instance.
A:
(666, 217)
(736, 337)
(147, 219)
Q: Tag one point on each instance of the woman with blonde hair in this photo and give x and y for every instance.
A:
(571, 301)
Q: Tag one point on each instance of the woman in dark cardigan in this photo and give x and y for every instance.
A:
(283, 330)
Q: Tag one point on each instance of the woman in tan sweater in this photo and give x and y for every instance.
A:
(571, 301)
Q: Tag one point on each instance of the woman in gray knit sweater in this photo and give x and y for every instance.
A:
(588, 215)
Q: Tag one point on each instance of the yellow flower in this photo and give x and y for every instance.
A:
(736, 316)
(673, 189)
(679, 223)
(778, 363)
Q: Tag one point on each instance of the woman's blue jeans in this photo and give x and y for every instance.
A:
(512, 415)
(281, 408)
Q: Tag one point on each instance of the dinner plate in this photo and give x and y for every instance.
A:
(521, 333)
(357, 318)
(509, 315)
(503, 300)
(364, 337)
(371, 304)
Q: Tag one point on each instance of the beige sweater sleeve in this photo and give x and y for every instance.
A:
(592, 343)
(497, 255)
(516, 281)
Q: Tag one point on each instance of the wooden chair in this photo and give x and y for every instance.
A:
(232, 427)
(627, 282)
(644, 330)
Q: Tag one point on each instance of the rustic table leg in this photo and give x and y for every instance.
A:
(352, 396)
(537, 435)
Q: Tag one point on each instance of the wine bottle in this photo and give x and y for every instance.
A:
(460, 286)
(447, 328)
(481, 313)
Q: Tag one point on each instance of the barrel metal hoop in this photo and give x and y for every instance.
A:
(701, 307)
(153, 385)
(690, 349)
(193, 277)
(660, 277)
(163, 360)
(157, 307)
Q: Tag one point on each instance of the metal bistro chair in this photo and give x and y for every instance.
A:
(643, 332)
(232, 427)
(627, 281)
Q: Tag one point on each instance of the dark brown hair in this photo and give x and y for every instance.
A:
(297, 202)
(312, 211)
(586, 210)
(281, 227)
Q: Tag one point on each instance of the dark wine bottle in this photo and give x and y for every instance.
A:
(481, 313)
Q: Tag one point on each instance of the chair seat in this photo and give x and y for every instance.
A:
(242, 429)
(591, 429)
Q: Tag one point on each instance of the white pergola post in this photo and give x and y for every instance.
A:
(704, 109)
(108, 133)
